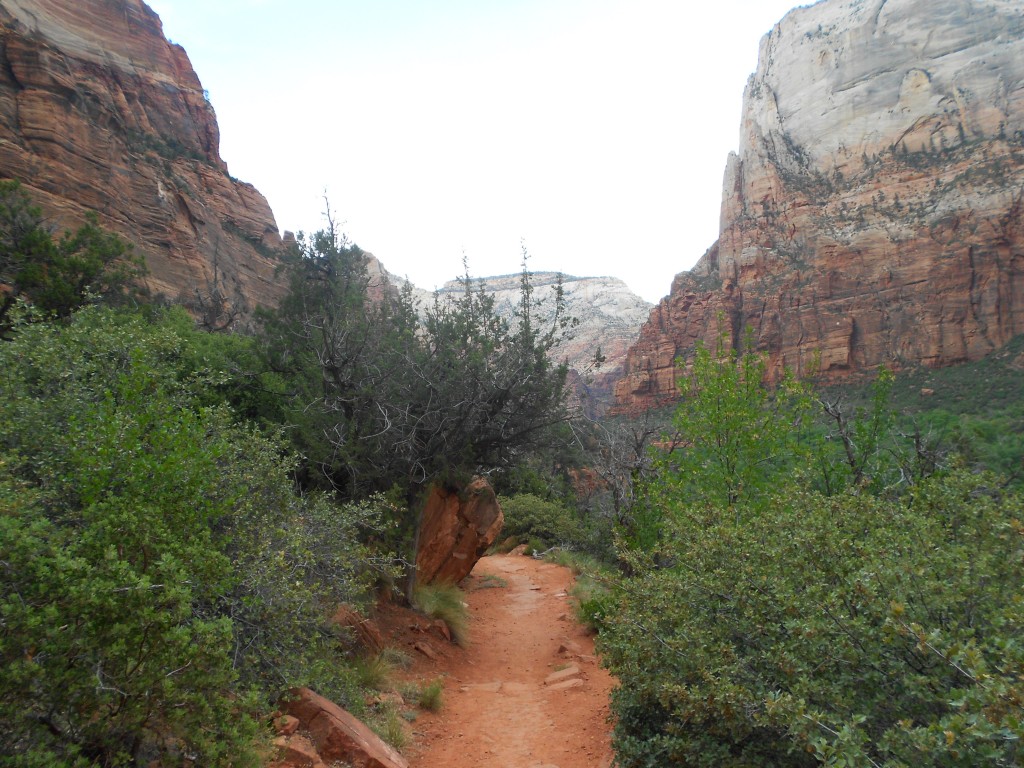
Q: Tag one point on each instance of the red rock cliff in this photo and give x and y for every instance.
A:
(873, 213)
(99, 112)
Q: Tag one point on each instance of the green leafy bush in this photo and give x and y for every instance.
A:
(846, 628)
(160, 577)
(767, 623)
(542, 524)
(57, 274)
(528, 516)
(735, 435)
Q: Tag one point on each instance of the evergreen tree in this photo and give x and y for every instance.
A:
(57, 275)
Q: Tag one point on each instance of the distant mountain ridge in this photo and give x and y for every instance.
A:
(609, 314)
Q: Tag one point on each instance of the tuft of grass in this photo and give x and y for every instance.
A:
(409, 690)
(431, 695)
(373, 672)
(592, 596)
(577, 562)
(389, 724)
(396, 657)
(594, 601)
(444, 601)
(490, 581)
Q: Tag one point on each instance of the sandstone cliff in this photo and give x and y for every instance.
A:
(873, 212)
(99, 112)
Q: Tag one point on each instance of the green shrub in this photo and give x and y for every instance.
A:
(160, 578)
(57, 275)
(445, 602)
(847, 630)
(536, 546)
(543, 523)
(764, 622)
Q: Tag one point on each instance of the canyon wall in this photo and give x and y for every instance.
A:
(99, 112)
(872, 215)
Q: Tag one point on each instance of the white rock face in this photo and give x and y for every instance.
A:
(843, 83)
(848, 87)
(873, 213)
(609, 315)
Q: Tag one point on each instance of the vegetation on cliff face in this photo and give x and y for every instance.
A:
(57, 275)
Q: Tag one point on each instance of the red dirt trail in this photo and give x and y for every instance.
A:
(502, 707)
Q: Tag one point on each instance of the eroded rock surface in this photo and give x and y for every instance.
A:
(337, 734)
(872, 215)
(456, 531)
(99, 112)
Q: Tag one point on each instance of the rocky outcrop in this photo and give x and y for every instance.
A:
(873, 213)
(364, 631)
(99, 112)
(456, 530)
(335, 733)
(296, 752)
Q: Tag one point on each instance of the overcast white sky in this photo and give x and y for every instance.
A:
(593, 131)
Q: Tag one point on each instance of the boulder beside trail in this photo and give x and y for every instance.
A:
(338, 735)
(365, 631)
(457, 528)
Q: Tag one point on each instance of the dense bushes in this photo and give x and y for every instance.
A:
(166, 567)
(57, 274)
(791, 627)
(381, 399)
(543, 523)
(159, 573)
(845, 626)
(530, 517)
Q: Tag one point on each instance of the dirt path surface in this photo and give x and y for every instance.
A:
(527, 692)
